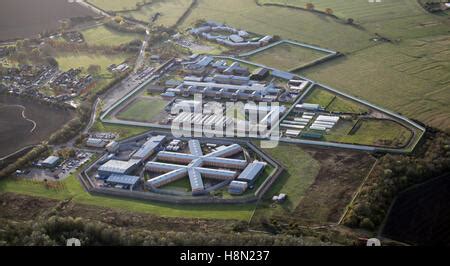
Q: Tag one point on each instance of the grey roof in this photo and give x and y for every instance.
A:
(251, 172)
(195, 179)
(163, 167)
(195, 148)
(148, 147)
(233, 163)
(51, 160)
(194, 165)
(116, 166)
(227, 151)
(216, 173)
(165, 178)
(123, 179)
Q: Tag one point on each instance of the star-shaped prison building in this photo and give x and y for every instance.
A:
(195, 165)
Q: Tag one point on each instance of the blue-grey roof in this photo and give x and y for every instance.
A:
(195, 148)
(148, 148)
(51, 160)
(251, 172)
(123, 179)
(116, 166)
(282, 74)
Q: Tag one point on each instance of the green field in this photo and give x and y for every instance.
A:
(101, 35)
(301, 172)
(286, 56)
(116, 5)
(334, 103)
(372, 132)
(409, 75)
(73, 190)
(84, 60)
(291, 24)
(143, 109)
(170, 11)
(412, 79)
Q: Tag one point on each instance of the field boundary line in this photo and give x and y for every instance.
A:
(357, 193)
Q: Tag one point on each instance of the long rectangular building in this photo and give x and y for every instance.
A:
(117, 167)
(148, 148)
(251, 172)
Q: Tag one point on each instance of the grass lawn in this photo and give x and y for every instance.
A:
(116, 5)
(143, 109)
(82, 60)
(123, 131)
(291, 24)
(170, 11)
(72, 189)
(372, 132)
(321, 97)
(334, 103)
(182, 184)
(102, 35)
(301, 172)
(285, 56)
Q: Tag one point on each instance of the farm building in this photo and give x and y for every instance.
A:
(117, 167)
(123, 181)
(51, 162)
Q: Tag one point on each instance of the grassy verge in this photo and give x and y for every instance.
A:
(72, 189)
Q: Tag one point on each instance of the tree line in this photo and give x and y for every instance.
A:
(395, 173)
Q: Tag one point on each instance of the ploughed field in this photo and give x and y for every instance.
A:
(420, 215)
(15, 130)
(28, 18)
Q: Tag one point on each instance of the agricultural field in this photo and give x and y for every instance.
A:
(169, 12)
(117, 5)
(371, 132)
(84, 60)
(419, 215)
(391, 18)
(291, 24)
(143, 109)
(413, 81)
(25, 122)
(301, 171)
(415, 74)
(334, 103)
(24, 18)
(101, 35)
(319, 183)
(285, 56)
